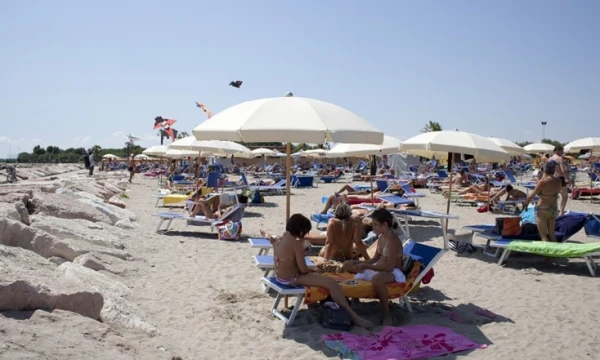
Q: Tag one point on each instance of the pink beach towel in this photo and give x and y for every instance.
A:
(400, 343)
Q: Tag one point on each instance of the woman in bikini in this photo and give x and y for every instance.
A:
(547, 207)
(216, 205)
(291, 269)
(384, 267)
(343, 235)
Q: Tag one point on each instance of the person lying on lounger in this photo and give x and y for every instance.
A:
(336, 199)
(511, 193)
(215, 206)
(291, 269)
(385, 267)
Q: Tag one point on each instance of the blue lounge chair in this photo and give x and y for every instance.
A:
(425, 254)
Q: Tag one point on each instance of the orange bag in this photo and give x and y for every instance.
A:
(512, 226)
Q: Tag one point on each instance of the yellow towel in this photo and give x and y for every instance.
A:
(174, 198)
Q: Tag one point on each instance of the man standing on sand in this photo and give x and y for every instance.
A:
(131, 167)
(92, 163)
(563, 175)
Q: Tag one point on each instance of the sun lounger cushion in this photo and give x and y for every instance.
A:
(570, 224)
(360, 288)
(174, 199)
(552, 249)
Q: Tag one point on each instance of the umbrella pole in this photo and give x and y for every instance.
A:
(449, 197)
(288, 169)
(372, 201)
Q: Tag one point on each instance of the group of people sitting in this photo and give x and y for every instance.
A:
(343, 242)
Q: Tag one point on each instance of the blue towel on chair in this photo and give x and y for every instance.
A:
(322, 218)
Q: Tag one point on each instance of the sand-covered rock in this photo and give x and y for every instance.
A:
(78, 229)
(62, 206)
(114, 213)
(30, 282)
(17, 234)
(67, 336)
(116, 310)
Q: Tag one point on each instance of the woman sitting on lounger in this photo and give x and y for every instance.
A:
(344, 234)
(385, 267)
(215, 206)
(512, 194)
(291, 269)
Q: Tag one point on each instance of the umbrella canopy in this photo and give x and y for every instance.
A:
(142, 157)
(538, 148)
(288, 119)
(107, 156)
(590, 143)
(175, 154)
(510, 147)
(157, 150)
(314, 153)
(390, 146)
(263, 151)
(440, 143)
(214, 146)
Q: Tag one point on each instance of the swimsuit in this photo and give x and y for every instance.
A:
(290, 281)
(563, 181)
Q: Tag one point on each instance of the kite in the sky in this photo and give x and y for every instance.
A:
(236, 84)
(165, 127)
(131, 140)
(203, 107)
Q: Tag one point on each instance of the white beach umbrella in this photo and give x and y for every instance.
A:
(390, 146)
(510, 147)
(214, 146)
(264, 152)
(142, 157)
(440, 143)
(537, 148)
(590, 143)
(177, 154)
(288, 119)
(279, 154)
(157, 150)
(107, 156)
(314, 153)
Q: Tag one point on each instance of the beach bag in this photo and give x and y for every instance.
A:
(335, 317)
(511, 226)
(230, 230)
(461, 247)
(257, 198)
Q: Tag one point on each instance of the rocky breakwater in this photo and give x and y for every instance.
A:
(61, 249)
(37, 171)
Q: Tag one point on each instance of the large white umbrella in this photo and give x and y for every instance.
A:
(288, 119)
(177, 154)
(157, 150)
(213, 146)
(264, 152)
(537, 148)
(510, 147)
(590, 143)
(440, 143)
(314, 153)
(107, 156)
(390, 146)
(141, 157)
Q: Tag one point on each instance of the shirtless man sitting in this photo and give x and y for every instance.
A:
(562, 174)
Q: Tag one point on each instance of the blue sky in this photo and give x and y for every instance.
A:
(78, 73)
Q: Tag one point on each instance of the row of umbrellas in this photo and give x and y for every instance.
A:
(292, 119)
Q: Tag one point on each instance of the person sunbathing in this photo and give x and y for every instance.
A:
(385, 267)
(291, 269)
(511, 193)
(215, 206)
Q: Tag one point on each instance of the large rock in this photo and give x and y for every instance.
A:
(8, 210)
(114, 213)
(67, 336)
(78, 229)
(30, 282)
(116, 310)
(17, 234)
(64, 207)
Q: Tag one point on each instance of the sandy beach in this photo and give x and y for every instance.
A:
(197, 297)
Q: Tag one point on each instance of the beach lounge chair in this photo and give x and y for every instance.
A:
(235, 213)
(328, 179)
(263, 245)
(267, 263)
(551, 249)
(321, 218)
(426, 255)
(212, 183)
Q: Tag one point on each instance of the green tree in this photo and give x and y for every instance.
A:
(38, 150)
(432, 126)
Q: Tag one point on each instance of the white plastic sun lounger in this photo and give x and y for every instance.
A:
(236, 213)
(267, 263)
(427, 255)
(263, 245)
